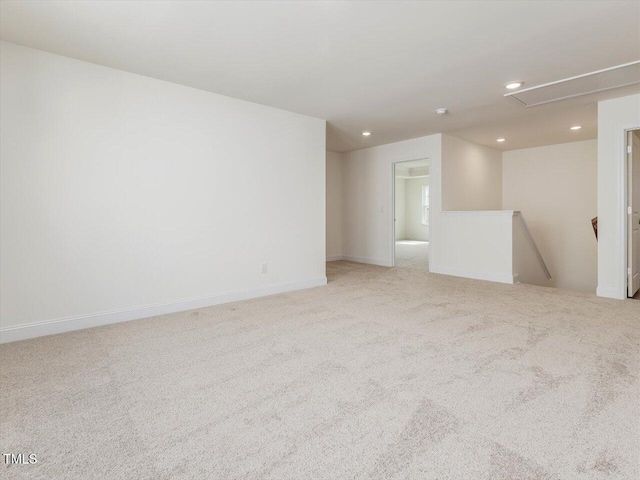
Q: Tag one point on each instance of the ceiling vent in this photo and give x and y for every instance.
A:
(598, 81)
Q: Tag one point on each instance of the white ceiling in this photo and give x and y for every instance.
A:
(379, 66)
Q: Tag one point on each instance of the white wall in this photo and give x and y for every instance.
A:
(367, 195)
(414, 229)
(471, 176)
(334, 205)
(466, 186)
(528, 266)
(475, 244)
(401, 214)
(555, 187)
(124, 196)
(613, 117)
(367, 183)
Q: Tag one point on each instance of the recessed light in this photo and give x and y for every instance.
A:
(501, 140)
(366, 134)
(576, 127)
(442, 111)
(513, 85)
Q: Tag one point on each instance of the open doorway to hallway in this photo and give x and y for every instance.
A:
(633, 214)
(411, 214)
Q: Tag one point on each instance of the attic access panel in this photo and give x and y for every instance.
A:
(593, 82)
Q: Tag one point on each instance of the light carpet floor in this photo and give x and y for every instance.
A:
(382, 374)
(412, 254)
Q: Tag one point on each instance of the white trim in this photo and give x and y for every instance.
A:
(391, 262)
(623, 217)
(61, 325)
(370, 261)
(491, 277)
(333, 258)
(622, 185)
(392, 217)
(610, 292)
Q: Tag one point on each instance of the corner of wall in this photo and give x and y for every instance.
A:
(614, 117)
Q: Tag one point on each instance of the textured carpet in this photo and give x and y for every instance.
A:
(412, 254)
(382, 374)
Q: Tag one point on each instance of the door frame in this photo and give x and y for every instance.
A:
(627, 219)
(392, 208)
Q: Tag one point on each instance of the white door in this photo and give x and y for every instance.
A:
(633, 215)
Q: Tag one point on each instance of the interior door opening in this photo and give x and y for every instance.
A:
(411, 215)
(633, 214)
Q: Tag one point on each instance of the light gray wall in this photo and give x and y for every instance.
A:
(635, 180)
(120, 192)
(368, 178)
(555, 187)
(334, 204)
(401, 213)
(414, 230)
(471, 176)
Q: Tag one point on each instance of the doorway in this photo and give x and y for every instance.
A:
(411, 215)
(633, 214)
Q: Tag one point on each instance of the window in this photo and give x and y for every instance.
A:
(425, 205)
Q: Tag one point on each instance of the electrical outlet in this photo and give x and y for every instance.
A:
(263, 268)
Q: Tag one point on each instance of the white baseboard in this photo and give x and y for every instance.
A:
(491, 277)
(351, 258)
(61, 325)
(370, 261)
(609, 292)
